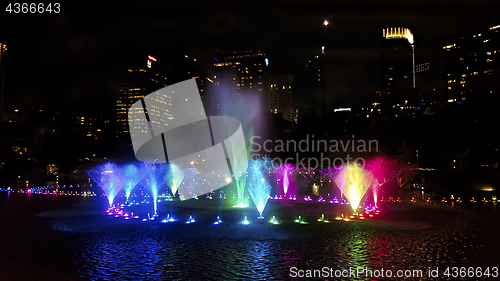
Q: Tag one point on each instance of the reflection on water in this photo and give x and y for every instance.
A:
(356, 249)
(96, 247)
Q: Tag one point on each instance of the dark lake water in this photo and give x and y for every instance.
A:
(72, 235)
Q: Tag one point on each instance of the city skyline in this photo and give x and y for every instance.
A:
(73, 60)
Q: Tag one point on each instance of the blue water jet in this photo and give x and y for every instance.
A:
(132, 175)
(110, 178)
(155, 173)
(257, 184)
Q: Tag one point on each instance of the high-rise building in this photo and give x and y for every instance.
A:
(281, 96)
(398, 63)
(395, 96)
(238, 74)
(140, 76)
(3, 48)
(426, 84)
(472, 67)
(90, 124)
(205, 71)
(309, 87)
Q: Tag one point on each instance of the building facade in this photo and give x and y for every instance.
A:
(309, 87)
(281, 96)
(472, 67)
(427, 84)
(398, 63)
(238, 74)
(140, 76)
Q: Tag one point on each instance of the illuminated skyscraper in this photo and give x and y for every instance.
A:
(309, 87)
(426, 84)
(398, 63)
(239, 74)
(140, 76)
(397, 86)
(281, 96)
(205, 70)
(3, 48)
(472, 67)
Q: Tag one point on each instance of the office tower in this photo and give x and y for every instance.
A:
(140, 76)
(3, 48)
(281, 96)
(426, 84)
(205, 71)
(239, 74)
(309, 87)
(472, 67)
(398, 64)
(90, 124)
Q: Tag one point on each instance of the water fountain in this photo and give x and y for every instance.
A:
(382, 169)
(110, 178)
(258, 185)
(155, 173)
(261, 177)
(132, 175)
(174, 178)
(286, 172)
(353, 181)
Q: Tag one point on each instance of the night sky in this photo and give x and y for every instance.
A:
(71, 59)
